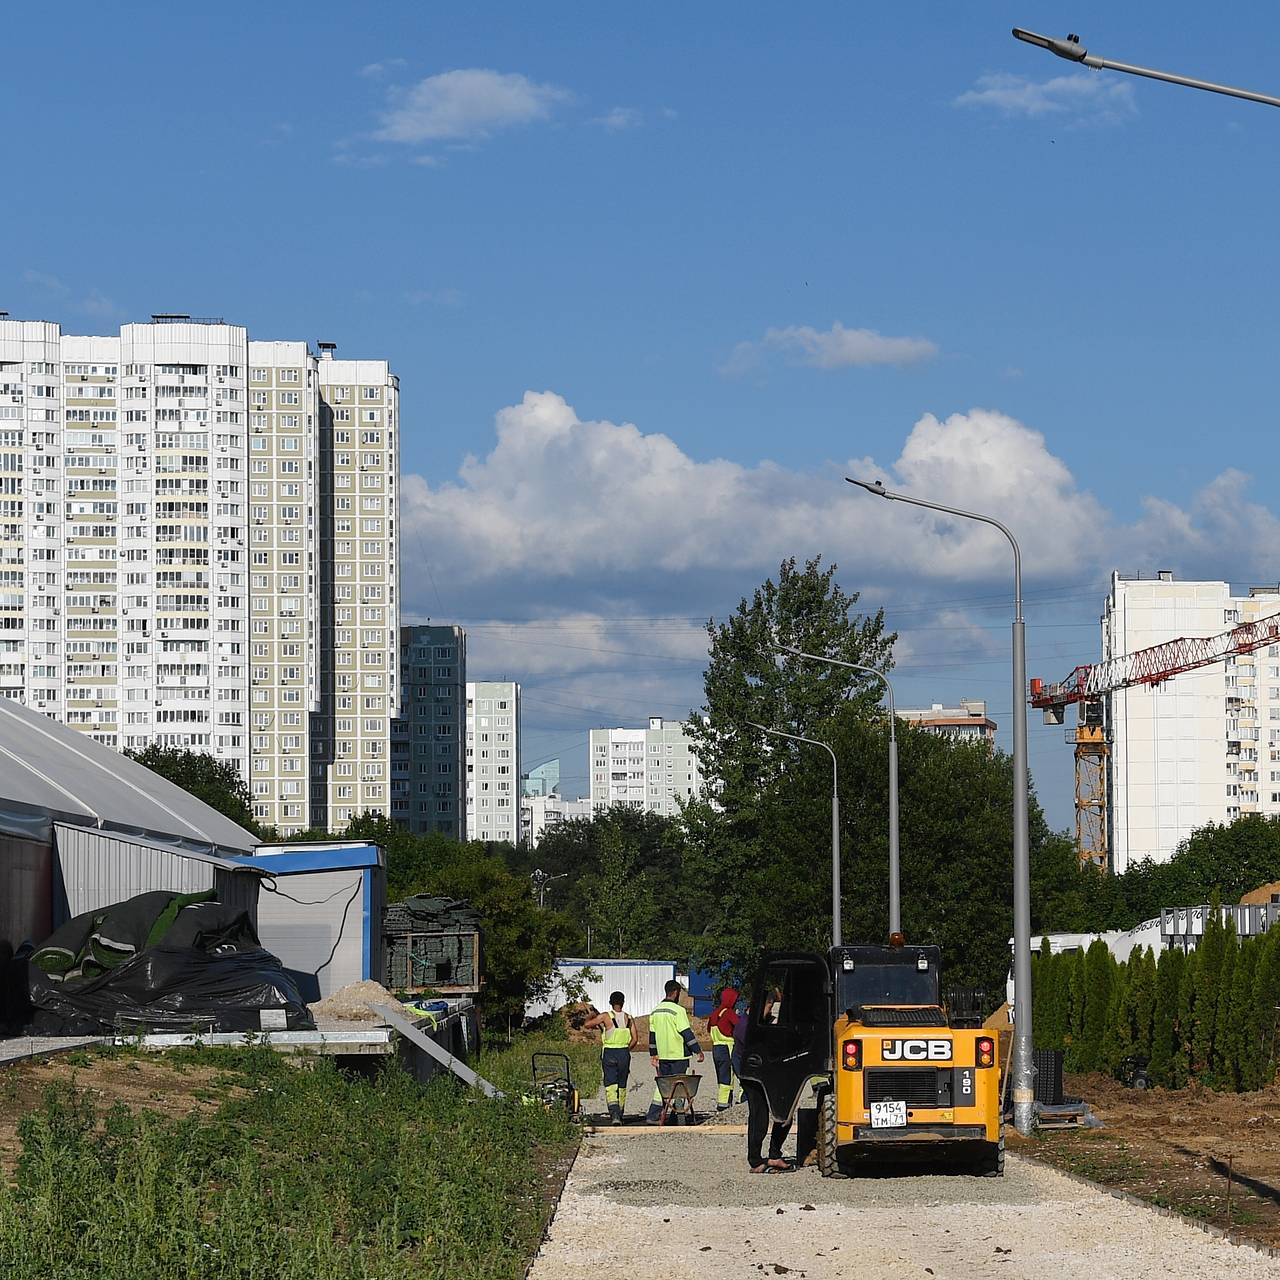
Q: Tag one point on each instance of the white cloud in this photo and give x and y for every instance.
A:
(620, 118)
(834, 348)
(1084, 95)
(613, 545)
(603, 518)
(467, 104)
(376, 70)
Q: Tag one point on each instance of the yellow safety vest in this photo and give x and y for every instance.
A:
(719, 1037)
(667, 1024)
(617, 1036)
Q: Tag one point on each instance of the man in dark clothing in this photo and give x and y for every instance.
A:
(758, 1111)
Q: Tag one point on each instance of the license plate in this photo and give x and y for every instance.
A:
(888, 1115)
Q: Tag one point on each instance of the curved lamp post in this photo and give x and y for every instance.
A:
(835, 821)
(1023, 1064)
(895, 894)
(1074, 51)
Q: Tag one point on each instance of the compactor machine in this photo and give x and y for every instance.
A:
(867, 1027)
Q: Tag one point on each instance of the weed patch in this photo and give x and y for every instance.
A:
(300, 1175)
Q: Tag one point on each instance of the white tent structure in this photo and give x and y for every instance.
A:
(82, 826)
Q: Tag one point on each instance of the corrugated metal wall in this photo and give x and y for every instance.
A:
(26, 898)
(318, 930)
(93, 869)
(640, 981)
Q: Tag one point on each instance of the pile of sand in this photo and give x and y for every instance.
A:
(354, 1003)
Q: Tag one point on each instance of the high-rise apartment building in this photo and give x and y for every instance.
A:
(652, 769)
(1205, 745)
(198, 549)
(428, 741)
(968, 722)
(540, 812)
(493, 760)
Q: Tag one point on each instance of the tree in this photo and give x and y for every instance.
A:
(1220, 1067)
(622, 868)
(1164, 1031)
(1237, 1064)
(623, 898)
(1210, 953)
(1144, 1001)
(1180, 1072)
(217, 782)
(1099, 976)
(764, 843)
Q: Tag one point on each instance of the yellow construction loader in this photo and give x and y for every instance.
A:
(867, 1027)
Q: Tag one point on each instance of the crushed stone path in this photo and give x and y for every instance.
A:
(675, 1206)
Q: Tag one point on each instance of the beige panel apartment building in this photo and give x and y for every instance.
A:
(197, 550)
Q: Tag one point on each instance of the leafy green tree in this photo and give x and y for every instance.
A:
(1099, 978)
(1144, 1000)
(1220, 1069)
(1119, 1040)
(622, 869)
(1076, 987)
(1237, 1064)
(1164, 1030)
(623, 898)
(764, 842)
(1262, 1017)
(1188, 986)
(217, 782)
(1210, 954)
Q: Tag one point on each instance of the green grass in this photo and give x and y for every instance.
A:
(306, 1174)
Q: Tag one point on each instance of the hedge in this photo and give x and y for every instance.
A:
(1208, 1016)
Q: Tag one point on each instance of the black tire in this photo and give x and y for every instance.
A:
(828, 1150)
(991, 1162)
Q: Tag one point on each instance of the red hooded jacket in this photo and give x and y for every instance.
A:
(724, 1019)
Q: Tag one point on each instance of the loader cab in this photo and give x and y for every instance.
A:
(788, 1038)
(798, 997)
(894, 986)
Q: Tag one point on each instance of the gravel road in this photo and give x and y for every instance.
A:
(674, 1205)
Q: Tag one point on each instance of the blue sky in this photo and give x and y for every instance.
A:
(772, 238)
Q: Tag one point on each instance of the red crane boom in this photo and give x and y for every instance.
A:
(1154, 665)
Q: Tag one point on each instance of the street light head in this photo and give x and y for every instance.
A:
(751, 724)
(1070, 48)
(872, 486)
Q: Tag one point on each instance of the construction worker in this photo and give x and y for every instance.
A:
(617, 1040)
(721, 1023)
(671, 1043)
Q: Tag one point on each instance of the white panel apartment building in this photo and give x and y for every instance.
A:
(651, 769)
(493, 760)
(197, 549)
(1204, 746)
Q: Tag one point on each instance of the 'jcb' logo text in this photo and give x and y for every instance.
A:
(915, 1050)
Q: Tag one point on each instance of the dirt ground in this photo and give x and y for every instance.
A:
(1173, 1148)
(138, 1082)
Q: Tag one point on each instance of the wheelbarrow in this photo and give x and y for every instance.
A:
(678, 1093)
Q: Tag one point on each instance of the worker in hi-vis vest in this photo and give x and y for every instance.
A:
(721, 1023)
(671, 1043)
(617, 1039)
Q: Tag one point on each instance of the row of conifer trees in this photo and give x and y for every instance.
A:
(1208, 1015)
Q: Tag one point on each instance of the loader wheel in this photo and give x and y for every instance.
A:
(828, 1157)
(991, 1162)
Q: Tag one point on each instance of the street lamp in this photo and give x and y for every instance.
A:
(1074, 51)
(835, 821)
(895, 894)
(540, 880)
(1023, 1064)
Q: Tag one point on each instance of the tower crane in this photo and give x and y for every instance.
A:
(1086, 687)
